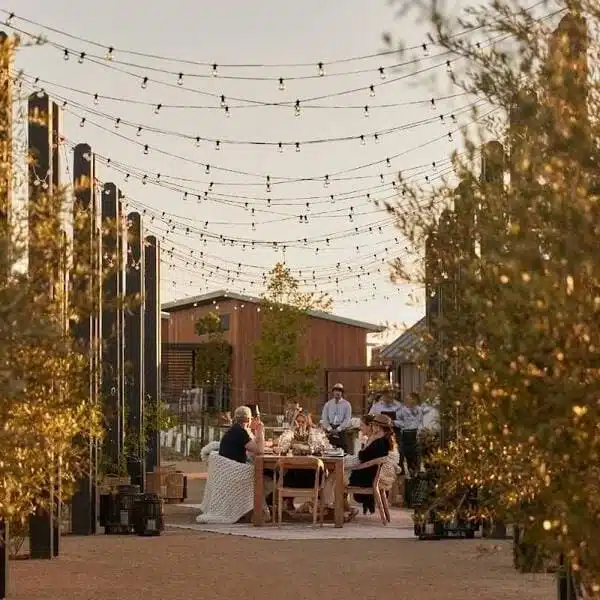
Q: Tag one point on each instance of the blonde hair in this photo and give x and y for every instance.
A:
(242, 414)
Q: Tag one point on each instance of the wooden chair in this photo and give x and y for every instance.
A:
(376, 490)
(305, 463)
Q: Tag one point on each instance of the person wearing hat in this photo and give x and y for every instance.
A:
(336, 418)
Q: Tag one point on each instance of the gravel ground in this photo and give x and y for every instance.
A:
(192, 565)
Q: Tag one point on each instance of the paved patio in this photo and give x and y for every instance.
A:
(192, 565)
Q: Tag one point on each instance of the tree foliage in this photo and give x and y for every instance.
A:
(279, 363)
(45, 410)
(213, 357)
(513, 269)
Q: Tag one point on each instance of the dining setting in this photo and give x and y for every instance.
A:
(304, 474)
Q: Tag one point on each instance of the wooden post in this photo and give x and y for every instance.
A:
(82, 328)
(44, 270)
(134, 349)
(112, 386)
(152, 335)
(6, 109)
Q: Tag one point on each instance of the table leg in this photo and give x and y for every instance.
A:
(258, 517)
(339, 494)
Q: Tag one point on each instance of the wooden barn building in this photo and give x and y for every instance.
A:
(337, 342)
(404, 356)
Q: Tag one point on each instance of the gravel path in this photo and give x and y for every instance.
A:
(195, 566)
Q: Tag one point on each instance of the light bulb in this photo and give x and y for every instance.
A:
(332, 198)
(227, 113)
(372, 90)
(197, 144)
(66, 55)
(326, 181)
(432, 102)
(253, 229)
(96, 99)
(388, 162)
(321, 70)
(223, 102)
(297, 146)
(425, 49)
(281, 84)
(144, 83)
(217, 145)
(362, 140)
(297, 108)
(448, 66)
(280, 147)
(376, 138)
(157, 109)
(382, 73)
(366, 111)
(207, 170)
(215, 70)
(82, 122)
(180, 79)
(139, 132)
(81, 58)
(146, 149)
(109, 53)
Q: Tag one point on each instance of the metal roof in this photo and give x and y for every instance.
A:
(223, 295)
(408, 347)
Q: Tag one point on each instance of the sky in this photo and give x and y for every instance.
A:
(347, 238)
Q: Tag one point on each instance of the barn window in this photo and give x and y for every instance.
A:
(224, 322)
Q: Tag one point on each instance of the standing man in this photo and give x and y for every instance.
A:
(336, 418)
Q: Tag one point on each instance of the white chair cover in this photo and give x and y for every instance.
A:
(229, 492)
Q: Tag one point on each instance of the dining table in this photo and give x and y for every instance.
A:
(333, 464)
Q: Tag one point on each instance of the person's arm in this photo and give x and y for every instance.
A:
(325, 419)
(257, 445)
(347, 419)
(400, 417)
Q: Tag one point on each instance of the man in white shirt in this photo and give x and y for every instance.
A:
(336, 418)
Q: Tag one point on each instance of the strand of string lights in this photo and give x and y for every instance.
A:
(141, 128)
(224, 100)
(269, 181)
(160, 107)
(110, 50)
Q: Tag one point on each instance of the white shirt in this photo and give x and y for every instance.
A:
(383, 407)
(336, 413)
(431, 418)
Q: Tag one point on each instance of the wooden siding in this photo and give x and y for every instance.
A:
(410, 378)
(333, 344)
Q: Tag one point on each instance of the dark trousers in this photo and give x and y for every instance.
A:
(409, 447)
(338, 439)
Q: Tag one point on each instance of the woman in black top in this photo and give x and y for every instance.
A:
(380, 443)
(238, 442)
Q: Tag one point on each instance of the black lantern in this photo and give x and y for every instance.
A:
(148, 515)
(119, 512)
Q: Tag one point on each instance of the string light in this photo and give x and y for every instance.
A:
(144, 83)
(180, 79)
(297, 108)
(281, 84)
(109, 53)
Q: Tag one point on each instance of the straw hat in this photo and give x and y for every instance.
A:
(382, 421)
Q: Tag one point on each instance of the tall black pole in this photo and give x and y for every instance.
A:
(43, 269)
(82, 327)
(112, 385)
(134, 350)
(152, 347)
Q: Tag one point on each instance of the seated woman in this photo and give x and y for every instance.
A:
(302, 439)
(380, 443)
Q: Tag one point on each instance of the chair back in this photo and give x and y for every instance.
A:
(305, 463)
(380, 462)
